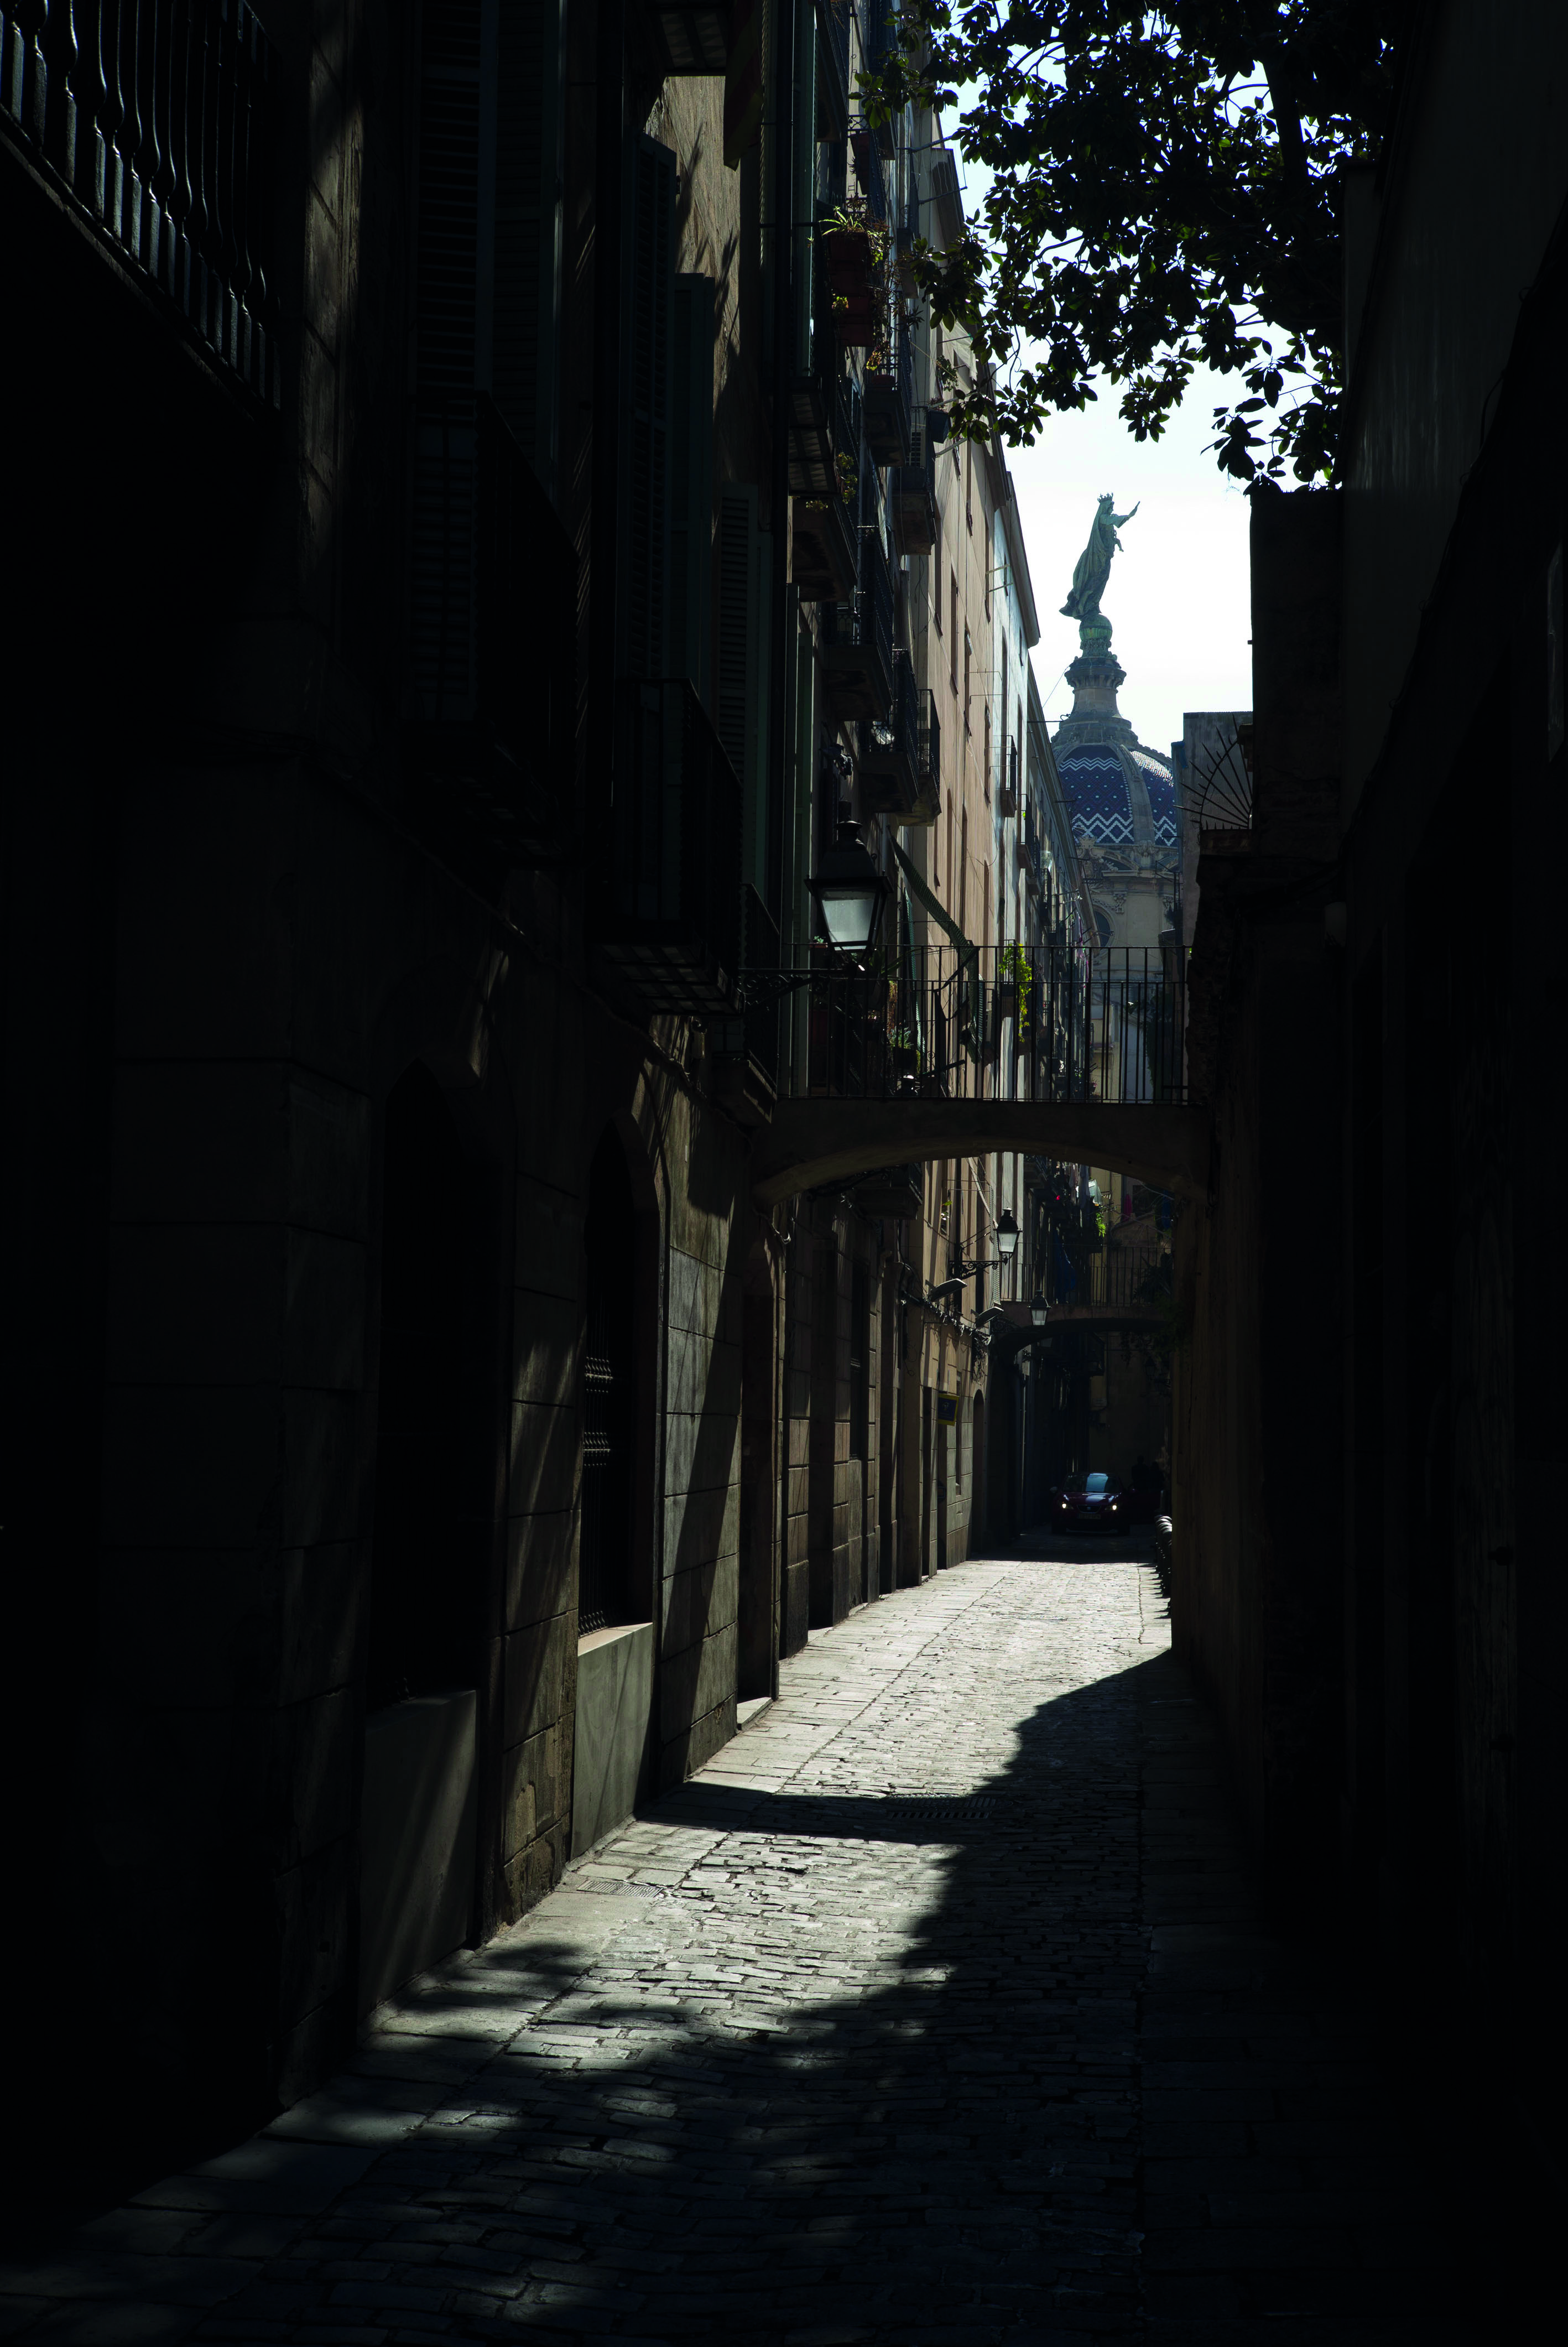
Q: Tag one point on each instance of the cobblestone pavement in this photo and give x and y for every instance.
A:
(934, 2011)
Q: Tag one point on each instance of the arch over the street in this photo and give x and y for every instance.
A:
(812, 1143)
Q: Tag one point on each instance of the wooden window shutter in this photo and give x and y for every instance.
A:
(745, 583)
(646, 436)
(691, 486)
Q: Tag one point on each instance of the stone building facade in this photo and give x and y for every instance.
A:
(459, 576)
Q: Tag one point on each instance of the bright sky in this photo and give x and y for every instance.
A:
(1178, 593)
(1178, 597)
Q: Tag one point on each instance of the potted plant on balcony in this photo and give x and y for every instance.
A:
(854, 261)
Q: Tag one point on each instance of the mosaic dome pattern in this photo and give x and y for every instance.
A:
(1097, 794)
(1162, 789)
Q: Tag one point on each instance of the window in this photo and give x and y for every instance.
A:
(967, 649)
(953, 634)
(937, 566)
(986, 770)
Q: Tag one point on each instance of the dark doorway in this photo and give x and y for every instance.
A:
(609, 1398)
(757, 1600)
(979, 1534)
(418, 1816)
(425, 1577)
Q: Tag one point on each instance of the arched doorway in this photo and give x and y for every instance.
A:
(418, 1811)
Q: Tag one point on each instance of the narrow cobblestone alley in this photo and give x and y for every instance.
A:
(932, 2011)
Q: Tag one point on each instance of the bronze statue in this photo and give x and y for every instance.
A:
(1094, 566)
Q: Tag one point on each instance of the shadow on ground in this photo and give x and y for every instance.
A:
(1014, 2064)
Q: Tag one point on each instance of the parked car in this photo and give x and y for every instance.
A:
(1089, 1503)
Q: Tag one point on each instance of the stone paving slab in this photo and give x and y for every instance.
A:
(933, 2012)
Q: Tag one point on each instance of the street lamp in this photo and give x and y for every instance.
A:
(850, 892)
(1040, 1311)
(1005, 1236)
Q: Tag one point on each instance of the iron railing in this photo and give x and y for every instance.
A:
(913, 489)
(919, 1019)
(1112, 1279)
(890, 396)
(879, 34)
(157, 118)
(929, 794)
(889, 747)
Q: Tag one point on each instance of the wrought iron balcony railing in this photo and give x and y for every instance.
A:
(880, 33)
(668, 914)
(156, 120)
(889, 757)
(890, 396)
(927, 1020)
(928, 793)
(856, 640)
(912, 488)
(823, 547)
(1133, 1279)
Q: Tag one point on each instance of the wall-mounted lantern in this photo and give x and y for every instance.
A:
(850, 893)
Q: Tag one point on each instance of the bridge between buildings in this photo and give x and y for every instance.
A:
(812, 1143)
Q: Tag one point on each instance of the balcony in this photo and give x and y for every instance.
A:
(889, 757)
(881, 37)
(1103, 1030)
(912, 488)
(667, 913)
(929, 788)
(491, 651)
(822, 547)
(156, 122)
(890, 398)
(856, 643)
(854, 254)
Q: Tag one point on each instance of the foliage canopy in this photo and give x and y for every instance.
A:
(1165, 193)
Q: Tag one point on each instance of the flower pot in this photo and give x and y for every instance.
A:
(848, 261)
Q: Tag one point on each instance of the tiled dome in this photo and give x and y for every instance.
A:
(1096, 791)
(1161, 789)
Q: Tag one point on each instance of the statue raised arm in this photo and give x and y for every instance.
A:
(1094, 566)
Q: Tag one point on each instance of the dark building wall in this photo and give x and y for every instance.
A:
(1373, 1019)
(1445, 244)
